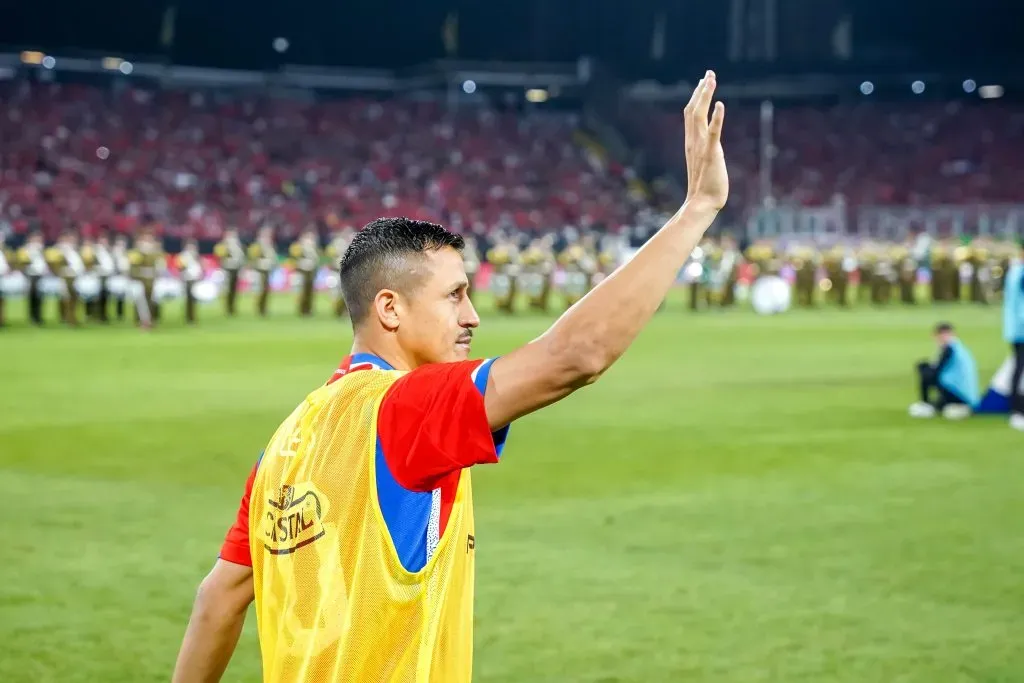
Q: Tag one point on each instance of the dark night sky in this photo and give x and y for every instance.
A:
(396, 33)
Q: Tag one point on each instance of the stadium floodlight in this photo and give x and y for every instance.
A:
(32, 57)
(537, 95)
(917, 87)
(970, 86)
(991, 92)
(469, 87)
(867, 87)
(280, 45)
(126, 68)
(49, 62)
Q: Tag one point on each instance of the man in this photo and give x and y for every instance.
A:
(306, 256)
(335, 250)
(147, 263)
(1013, 332)
(5, 269)
(232, 258)
(100, 263)
(954, 378)
(120, 281)
(504, 258)
(355, 535)
(263, 257)
(190, 267)
(67, 264)
(32, 260)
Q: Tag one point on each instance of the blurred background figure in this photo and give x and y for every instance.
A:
(950, 385)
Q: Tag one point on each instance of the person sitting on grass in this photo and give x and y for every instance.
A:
(949, 386)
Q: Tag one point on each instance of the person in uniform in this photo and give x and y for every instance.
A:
(906, 272)
(5, 270)
(535, 276)
(950, 385)
(263, 258)
(471, 258)
(100, 262)
(883, 275)
(67, 264)
(980, 261)
(191, 269)
(699, 268)
(837, 275)
(31, 260)
(122, 273)
(306, 256)
(504, 257)
(578, 265)
(804, 260)
(146, 261)
(867, 261)
(232, 259)
(726, 273)
(940, 260)
(335, 250)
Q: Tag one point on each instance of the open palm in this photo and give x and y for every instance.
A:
(707, 179)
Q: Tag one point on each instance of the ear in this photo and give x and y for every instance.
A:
(387, 306)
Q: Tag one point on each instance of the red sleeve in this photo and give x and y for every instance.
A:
(236, 544)
(432, 422)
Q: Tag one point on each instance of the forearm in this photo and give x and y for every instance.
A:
(601, 326)
(210, 640)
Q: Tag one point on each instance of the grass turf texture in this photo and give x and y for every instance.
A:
(740, 499)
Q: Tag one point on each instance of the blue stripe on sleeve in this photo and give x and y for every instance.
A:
(481, 375)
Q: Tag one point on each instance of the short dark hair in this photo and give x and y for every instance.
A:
(942, 328)
(378, 258)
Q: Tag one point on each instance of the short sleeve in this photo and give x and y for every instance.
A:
(236, 544)
(432, 422)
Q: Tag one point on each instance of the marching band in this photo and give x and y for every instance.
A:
(99, 272)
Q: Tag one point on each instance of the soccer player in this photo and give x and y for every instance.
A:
(954, 377)
(355, 535)
(1013, 332)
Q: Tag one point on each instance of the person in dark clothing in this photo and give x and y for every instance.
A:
(950, 385)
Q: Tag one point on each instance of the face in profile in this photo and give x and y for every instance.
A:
(436, 317)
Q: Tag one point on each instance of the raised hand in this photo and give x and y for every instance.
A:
(707, 180)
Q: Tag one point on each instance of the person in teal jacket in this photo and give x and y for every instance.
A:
(1013, 333)
(950, 385)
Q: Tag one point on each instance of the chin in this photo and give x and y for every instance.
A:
(461, 352)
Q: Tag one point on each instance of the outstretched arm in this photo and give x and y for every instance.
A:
(216, 622)
(590, 336)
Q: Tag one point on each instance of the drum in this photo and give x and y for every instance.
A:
(771, 295)
(167, 288)
(87, 286)
(14, 284)
(117, 285)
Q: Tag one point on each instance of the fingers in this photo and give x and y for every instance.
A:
(707, 91)
(717, 120)
(691, 105)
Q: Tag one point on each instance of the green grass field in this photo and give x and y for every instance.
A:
(741, 499)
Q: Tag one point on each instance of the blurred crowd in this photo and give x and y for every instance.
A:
(194, 164)
(867, 153)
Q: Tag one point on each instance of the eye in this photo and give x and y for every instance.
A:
(455, 294)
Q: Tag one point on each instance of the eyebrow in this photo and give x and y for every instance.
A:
(458, 285)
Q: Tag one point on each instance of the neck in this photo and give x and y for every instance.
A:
(386, 350)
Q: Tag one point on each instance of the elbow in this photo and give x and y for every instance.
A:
(585, 364)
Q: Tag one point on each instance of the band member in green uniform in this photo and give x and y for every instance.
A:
(726, 272)
(471, 259)
(335, 250)
(66, 263)
(804, 260)
(147, 262)
(122, 273)
(535, 278)
(31, 260)
(5, 270)
(980, 261)
(100, 262)
(906, 272)
(190, 268)
(579, 266)
(263, 259)
(232, 260)
(306, 256)
(504, 257)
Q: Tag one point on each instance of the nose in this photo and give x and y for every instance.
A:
(468, 316)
